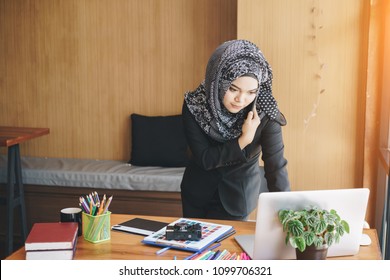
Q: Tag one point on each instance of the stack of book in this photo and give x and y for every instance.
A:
(51, 241)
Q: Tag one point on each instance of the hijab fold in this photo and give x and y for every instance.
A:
(229, 61)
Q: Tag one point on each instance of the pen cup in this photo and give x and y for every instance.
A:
(96, 228)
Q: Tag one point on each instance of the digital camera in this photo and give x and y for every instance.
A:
(183, 231)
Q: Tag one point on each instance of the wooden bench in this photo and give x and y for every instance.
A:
(51, 184)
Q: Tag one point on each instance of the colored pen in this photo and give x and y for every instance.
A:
(216, 255)
(226, 256)
(159, 252)
(222, 255)
(207, 255)
(85, 205)
(97, 200)
(100, 210)
(93, 212)
(202, 255)
(200, 252)
(192, 256)
(233, 256)
(211, 256)
(102, 204)
(90, 207)
(107, 204)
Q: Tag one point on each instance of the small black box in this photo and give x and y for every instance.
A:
(183, 231)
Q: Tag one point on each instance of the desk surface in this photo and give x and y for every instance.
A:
(10, 135)
(126, 246)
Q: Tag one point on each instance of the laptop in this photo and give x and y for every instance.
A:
(268, 242)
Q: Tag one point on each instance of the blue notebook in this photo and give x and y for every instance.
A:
(211, 232)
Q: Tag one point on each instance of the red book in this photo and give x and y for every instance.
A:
(51, 236)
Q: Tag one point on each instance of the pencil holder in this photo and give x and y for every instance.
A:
(96, 228)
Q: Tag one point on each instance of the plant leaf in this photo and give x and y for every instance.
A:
(337, 238)
(334, 214)
(320, 227)
(340, 230)
(295, 227)
(287, 238)
(345, 226)
(282, 214)
(309, 237)
(329, 238)
(318, 241)
(300, 243)
(292, 242)
(331, 228)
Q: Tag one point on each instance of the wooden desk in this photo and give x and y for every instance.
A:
(125, 246)
(11, 137)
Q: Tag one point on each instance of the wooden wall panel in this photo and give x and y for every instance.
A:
(379, 45)
(318, 54)
(81, 67)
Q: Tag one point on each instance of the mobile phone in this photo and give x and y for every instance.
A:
(254, 104)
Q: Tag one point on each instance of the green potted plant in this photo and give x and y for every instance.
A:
(312, 230)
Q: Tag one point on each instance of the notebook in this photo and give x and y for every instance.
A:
(140, 226)
(268, 242)
(211, 232)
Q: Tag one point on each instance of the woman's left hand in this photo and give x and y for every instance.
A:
(249, 128)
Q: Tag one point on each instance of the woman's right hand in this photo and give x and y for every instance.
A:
(249, 128)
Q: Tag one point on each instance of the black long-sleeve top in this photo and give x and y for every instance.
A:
(234, 172)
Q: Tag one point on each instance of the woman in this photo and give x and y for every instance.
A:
(229, 120)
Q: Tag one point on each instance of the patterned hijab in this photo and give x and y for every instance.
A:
(229, 61)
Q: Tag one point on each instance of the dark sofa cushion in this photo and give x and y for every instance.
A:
(158, 141)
